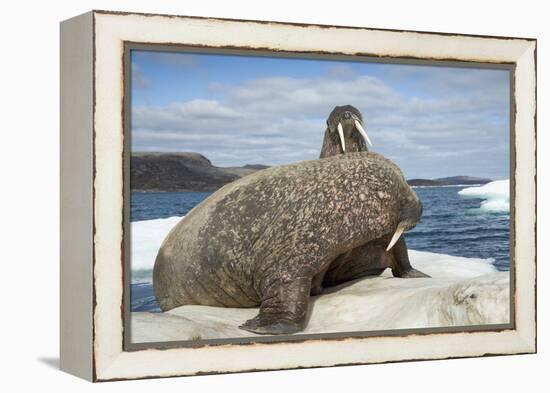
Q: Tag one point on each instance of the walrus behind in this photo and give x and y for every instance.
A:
(270, 237)
(345, 133)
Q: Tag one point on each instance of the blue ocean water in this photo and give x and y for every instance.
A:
(449, 225)
(152, 205)
(456, 226)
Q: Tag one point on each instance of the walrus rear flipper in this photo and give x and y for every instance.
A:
(402, 267)
(283, 309)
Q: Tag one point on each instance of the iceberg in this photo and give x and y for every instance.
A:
(495, 195)
(460, 292)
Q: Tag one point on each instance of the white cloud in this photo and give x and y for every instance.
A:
(276, 120)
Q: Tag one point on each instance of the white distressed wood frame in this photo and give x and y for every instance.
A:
(92, 194)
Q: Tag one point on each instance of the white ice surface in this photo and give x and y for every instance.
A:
(462, 291)
(495, 195)
(147, 236)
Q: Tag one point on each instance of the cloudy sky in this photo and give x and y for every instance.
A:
(237, 110)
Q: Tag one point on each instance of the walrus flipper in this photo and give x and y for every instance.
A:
(401, 265)
(284, 308)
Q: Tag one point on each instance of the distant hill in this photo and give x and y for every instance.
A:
(456, 180)
(181, 172)
(448, 181)
(195, 172)
(241, 171)
(424, 182)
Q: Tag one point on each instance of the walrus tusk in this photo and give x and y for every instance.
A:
(341, 134)
(400, 229)
(362, 132)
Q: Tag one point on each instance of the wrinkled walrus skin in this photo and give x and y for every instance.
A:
(269, 238)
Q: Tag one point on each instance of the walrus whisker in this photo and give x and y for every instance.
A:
(341, 134)
(362, 132)
(398, 232)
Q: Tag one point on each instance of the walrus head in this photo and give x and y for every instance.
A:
(345, 132)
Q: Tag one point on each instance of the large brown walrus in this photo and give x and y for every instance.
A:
(274, 237)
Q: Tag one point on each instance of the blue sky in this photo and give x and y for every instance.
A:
(237, 110)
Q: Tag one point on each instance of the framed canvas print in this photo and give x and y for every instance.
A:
(246, 195)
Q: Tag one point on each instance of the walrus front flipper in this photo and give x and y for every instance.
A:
(401, 266)
(283, 309)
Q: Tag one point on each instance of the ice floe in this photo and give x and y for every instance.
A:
(495, 195)
(460, 292)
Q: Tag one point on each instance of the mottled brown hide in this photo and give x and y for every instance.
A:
(262, 239)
